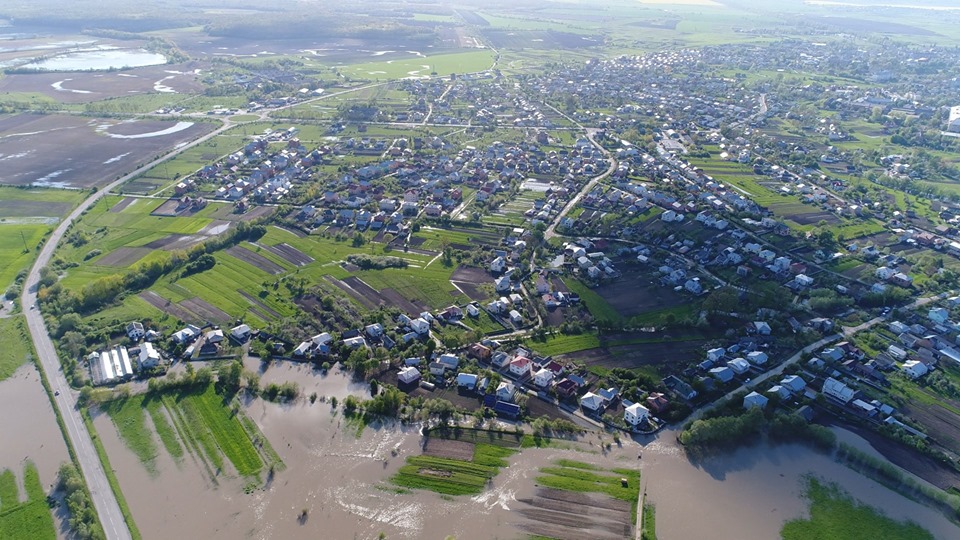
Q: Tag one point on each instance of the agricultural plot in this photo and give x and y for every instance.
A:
(28, 519)
(15, 344)
(90, 152)
(453, 467)
(198, 420)
(86, 87)
(576, 500)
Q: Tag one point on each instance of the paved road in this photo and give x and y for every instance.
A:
(104, 500)
(552, 229)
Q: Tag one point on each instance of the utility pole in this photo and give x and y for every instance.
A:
(24, 240)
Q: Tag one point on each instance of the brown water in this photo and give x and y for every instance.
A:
(342, 482)
(752, 492)
(29, 431)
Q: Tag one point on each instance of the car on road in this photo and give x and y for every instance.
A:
(57, 393)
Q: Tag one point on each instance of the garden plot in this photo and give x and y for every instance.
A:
(289, 253)
(256, 260)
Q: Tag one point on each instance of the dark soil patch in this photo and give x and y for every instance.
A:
(471, 274)
(449, 449)
(260, 305)
(676, 354)
(205, 310)
(174, 242)
(168, 307)
(124, 256)
(472, 291)
(369, 303)
(555, 317)
(169, 208)
(14, 209)
(295, 232)
(256, 260)
(813, 218)
(123, 204)
(566, 515)
(633, 297)
(397, 300)
(289, 253)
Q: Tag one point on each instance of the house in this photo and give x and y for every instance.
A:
(938, 315)
(592, 402)
(897, 353)
(374, 331)
(739, 366)
(657, 402)
(409, 375)
(240, 333)
(693, 286)
(355, 342)
(636, 414)
(832, 354)
(566, 388)
(505, 391)
(761, 328)
(437, 368)
(467, 380)
(214, 336)
(753, 399)
(420, 326)
(149, 356)
(543, 377)
(757, 358)
(716, 354)
(135, 331)
(515, 317)
(502, 284)
(793, 383)
(322, 339)
(521, 366)
(914, 369)
(473, 310)
(480, 352)
(722, 374)
(451, 361)
(498, 265)
(680, 388)
(781, 392)
(186, 335)
(838, 390)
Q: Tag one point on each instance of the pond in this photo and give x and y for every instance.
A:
(99, 60)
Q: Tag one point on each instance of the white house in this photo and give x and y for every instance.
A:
(240, 333)
(757, 358)
(322, 339)
(521, 366)
(838, 390)
(543, 377)
(761, 328)
(754, 399)
(739, 366)
(420, 326)
(914, 369)
(408, 375)
(794, 383)
(502, 284)
(135, 331)
(214, 336)
(473, 310)
(374, 330)
(716, 354)
(722, 374)
(355, 342)
(636, 414)
(149, 357)
(506, 391)
(591, 402)
(515, 317)
(498, 265)
(467, 380)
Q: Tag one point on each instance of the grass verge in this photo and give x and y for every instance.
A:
(111, 477)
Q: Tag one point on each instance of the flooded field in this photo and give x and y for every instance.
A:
(34, 436)
(336, 483)
(753, 491)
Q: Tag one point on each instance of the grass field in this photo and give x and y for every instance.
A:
(28, 520)
(834, 515)
(453, 476)
(649, 531)
(18, 248)
(15, 344)
(129, 415)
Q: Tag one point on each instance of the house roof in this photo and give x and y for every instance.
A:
(591, 401)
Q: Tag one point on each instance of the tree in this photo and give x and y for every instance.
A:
(68, 322)
(229, 377)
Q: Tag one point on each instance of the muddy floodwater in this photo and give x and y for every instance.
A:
(750, 493)
(341, 480)
(29, 431)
